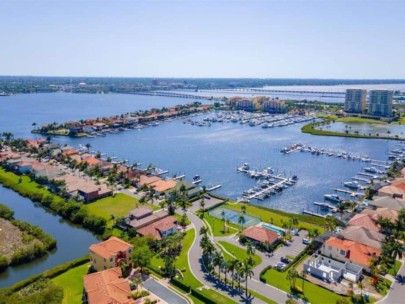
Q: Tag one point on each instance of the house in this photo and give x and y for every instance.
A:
(69, 152)
(146, 180)
(363, 220)
(110, 253)
(329, 270)
(395, 190)
(160, 229)
(191, 189)
(163, 185)
(349, 251)
(144, 217)
(379, 213)
(107, 287)
(387, 202)
(92, 161)
(24, 167)
(370, 238)
(260, 235)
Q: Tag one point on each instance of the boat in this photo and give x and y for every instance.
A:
(371, 169)
(333, 198)
(246, 166)
(197, 179)
(351, 185)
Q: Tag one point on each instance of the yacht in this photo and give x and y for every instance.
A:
(197, 179)
(333, 198)
(351, 185)
(371, 169)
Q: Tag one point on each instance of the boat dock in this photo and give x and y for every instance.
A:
(367, 174)
(214, 187)
(325, 205)
(313, 213)
(352, 193)
(361, 179)
(179, 177)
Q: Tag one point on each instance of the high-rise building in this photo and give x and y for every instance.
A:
(380, 103)
(274, 106)
(355, 101)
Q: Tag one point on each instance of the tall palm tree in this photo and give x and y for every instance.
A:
(243, 208)
(292, 276)
(232, 267)
(225, 269)
(223, 218)
(250, 250)
(396, 250)
(217, 260)
(303, 276)
(241, 220)
(247, 273)
(88, 146)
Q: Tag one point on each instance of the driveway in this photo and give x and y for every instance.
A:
(163, 292)
(397, 290)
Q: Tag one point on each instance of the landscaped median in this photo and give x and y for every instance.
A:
(239, 253)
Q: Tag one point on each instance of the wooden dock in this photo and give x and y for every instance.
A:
(214, 187)
(352, 193)
(329, 206)
(313, 213)
(361, 179)
(368, 174)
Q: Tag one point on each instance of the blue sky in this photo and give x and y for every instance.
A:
(266, 38)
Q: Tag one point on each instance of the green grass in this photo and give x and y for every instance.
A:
(239, 253)
(188, 278)
(72, 283)
(398, 265)
(277, 217)
(118, 205)
(217, 226)
(360, 120)
(315, 294)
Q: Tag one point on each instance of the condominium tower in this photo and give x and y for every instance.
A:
(355, 101)
(380, 103)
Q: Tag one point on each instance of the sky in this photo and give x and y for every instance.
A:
(191, 38)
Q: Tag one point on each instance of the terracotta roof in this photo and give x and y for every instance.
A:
(388, 202)
(392, 215)
(357, 253)
(141, 211)
(163, 185)
(69, 152)
(156, 228)
(92, 161)
(399, 184)
(363, 220)
(147, 220)
(107, 287)
(260, 234)
(146, 180)
(110, 247)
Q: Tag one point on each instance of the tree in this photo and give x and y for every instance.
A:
(247, 273)
(243, 208)
(232, 266)
(292, 276)
(217, 260)
(88, 146)
(241, 220)
(223, 219)
(141, 255)
(184, 220)
(303, 276)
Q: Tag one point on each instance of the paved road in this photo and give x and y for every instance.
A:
(396, 295)
(194, 258)
(163, 292)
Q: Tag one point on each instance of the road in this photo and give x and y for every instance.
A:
(397, 291)
(195, 262)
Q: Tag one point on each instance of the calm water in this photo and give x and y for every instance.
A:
(73, 242)
(213, 152)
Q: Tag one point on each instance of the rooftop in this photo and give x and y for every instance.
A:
(363, 220)
(110, 247)
(260, 234)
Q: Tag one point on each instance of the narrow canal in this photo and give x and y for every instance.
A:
(73, 241)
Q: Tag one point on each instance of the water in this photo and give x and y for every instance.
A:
(213, 152)
(72, 241)
(274, 228)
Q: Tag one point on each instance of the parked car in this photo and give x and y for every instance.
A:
(285, 260)
(306, 241)
(280, 266)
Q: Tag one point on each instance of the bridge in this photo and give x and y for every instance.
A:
(170, 94)
(257, 90)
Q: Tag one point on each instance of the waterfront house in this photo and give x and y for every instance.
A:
(163, 185)
(107, 287)
(146, 180)
(387, 202)
(349, 251)
(110, 253)
(191, 189)
(69, 152)
(363, 220)
(24, 167)
(330, 270)
(395, 190)
(92, 161)
(379, 213)
(260, 236)
(370, 238)
(142, 216)
(160, 229)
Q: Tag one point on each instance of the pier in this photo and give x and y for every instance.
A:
(333, 208)
(214, 187)
(361, 179)
(179, 177)
(313, 213)
(367, 174)
(352, 193)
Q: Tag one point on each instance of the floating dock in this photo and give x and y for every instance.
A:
(214, 187)
(352, 193)
(329, 206)
(368, 174)
(361, 179)
(179, 177)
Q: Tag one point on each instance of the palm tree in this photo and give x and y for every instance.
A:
(396, 250)
(241, 220)
(232, 266)
(247, 273)
(202, 204)
(88, 146)
(217, 260)
(341, 207)
(243, 208)
(225, 269)
(250, 249)
(292, 276)
(223, 218)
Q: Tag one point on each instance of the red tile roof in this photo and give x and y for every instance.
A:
(107, 287)
(260, 234)
(363, 220)
(110, 247)
(156, 228)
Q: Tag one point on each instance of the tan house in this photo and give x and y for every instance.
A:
(110, 253)
(107, 287)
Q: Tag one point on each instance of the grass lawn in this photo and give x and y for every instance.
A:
(217, 226)
(398, 265)
(314, 293)
(239, 253)
(277, 217)
(72, 283)
(360, 120)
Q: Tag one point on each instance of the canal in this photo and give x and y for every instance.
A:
(72, 241)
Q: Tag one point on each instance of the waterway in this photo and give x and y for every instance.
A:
(72, 241)
(213, 152)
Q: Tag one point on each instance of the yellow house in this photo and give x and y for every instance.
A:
(110, 253)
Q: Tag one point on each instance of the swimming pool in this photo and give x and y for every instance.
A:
(233, 216)
(279, 231)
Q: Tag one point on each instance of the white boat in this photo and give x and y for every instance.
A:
(351, 185)
(333, 198)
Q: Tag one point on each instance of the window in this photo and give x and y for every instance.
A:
(342, 252)
(111, 259)
(129, 250)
